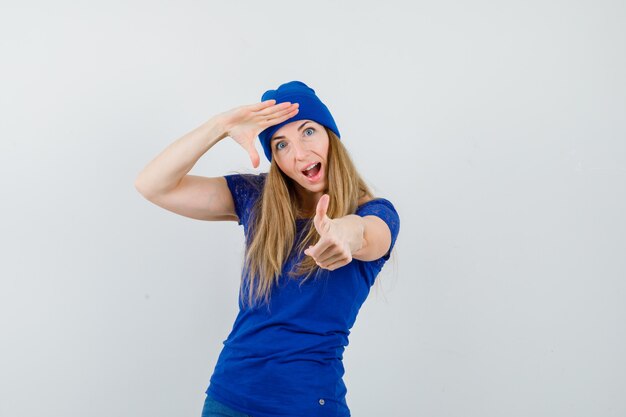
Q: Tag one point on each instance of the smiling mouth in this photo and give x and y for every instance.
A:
(313, 172)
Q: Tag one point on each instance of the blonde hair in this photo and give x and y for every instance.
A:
(272, 227)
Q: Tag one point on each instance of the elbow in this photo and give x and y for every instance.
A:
(138, 185)
(141, 188)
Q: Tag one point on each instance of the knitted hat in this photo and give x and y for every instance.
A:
(311, 108)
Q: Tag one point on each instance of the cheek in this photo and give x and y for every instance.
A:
(324, 148)
(324, 152)
(283, 169)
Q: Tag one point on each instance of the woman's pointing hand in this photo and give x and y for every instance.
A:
(339, 238)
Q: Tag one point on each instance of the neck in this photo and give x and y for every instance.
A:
(307, 203)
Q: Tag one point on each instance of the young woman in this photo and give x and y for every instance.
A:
(316, 238)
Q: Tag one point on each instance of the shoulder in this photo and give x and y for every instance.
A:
(255, 178)
(246, 190)
(245, 187)
(380, 207)
(245, 180)
(365, 201)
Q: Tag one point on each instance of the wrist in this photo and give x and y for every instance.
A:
(356, 234)
(219, 125)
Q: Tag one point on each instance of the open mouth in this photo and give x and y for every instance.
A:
(313, 172)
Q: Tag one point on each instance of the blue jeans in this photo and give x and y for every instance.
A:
(214, 408)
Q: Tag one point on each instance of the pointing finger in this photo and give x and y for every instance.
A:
(322, 206)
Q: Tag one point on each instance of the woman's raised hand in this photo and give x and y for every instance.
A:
(244, 123)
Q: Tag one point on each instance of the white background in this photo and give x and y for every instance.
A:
(497, 129)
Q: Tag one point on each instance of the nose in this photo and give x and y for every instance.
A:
(299, 149)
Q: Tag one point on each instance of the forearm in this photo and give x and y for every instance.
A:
(166, 170)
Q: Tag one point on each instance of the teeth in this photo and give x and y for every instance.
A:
(310, 166)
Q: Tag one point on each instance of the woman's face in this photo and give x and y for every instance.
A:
(297, 146)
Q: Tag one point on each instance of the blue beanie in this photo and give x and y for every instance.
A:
(311, 108)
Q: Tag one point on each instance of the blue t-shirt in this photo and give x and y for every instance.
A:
(286, 360)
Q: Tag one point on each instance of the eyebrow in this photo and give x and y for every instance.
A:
(301, 126)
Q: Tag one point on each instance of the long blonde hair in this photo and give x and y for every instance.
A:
(272, 227)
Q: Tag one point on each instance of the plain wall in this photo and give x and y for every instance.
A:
(497, 129)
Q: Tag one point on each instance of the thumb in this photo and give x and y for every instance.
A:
(254, 155)
(320, 212)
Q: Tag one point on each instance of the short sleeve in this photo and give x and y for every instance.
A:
(382, 208)
(245, 189)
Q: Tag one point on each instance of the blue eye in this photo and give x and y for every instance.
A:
(309, 128)
(278, 145)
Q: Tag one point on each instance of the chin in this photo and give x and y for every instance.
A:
(313, 188)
